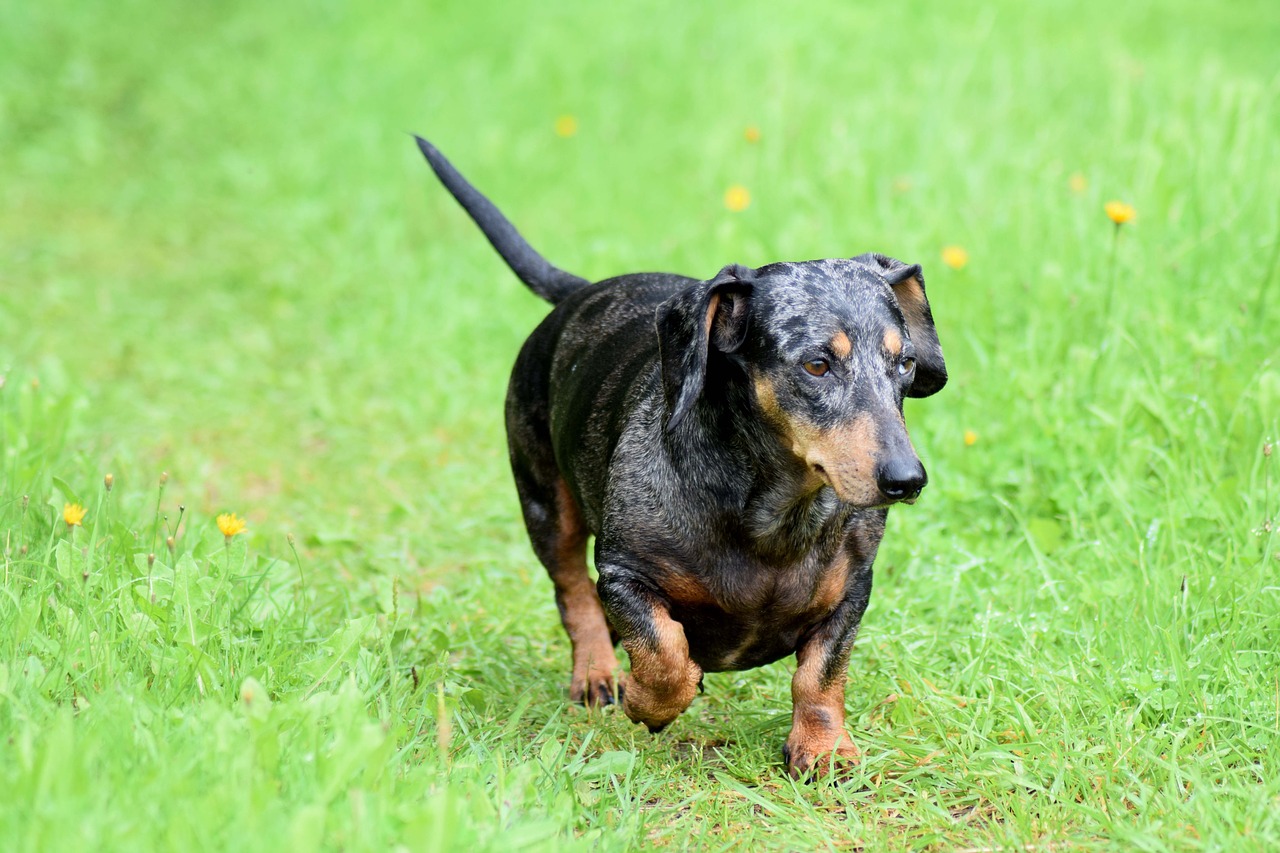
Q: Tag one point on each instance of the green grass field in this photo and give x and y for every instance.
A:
(223, 263)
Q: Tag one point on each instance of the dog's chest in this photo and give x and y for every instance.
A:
(748, 614)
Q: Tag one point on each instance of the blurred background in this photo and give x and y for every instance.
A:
(214, 219)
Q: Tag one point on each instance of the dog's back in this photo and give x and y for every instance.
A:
(594, 359)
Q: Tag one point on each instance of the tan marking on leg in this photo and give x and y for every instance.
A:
(817, 717)
(841, 345)
(663, 679)
(892, 342)
(594, 661)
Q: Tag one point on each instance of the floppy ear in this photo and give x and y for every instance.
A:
(704, 315)
(907, 282)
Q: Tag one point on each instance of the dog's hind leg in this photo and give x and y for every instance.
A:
(559, 535)
(559, 538)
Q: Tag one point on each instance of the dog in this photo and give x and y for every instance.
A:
(734, 445)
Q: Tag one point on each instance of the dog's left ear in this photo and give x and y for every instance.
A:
(706, 315)
(907, 283)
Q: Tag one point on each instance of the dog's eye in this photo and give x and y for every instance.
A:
(906, 366)
(817, 367)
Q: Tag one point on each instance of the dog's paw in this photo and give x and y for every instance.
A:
(597, 691)
(658, 704)
(811, 757)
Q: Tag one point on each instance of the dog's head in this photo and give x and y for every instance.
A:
(830, 348)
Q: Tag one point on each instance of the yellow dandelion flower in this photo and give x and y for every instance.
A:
(751, 134)
(73, 514)
(1119, 212)
(736, 198)
(252, 692)
(254, 698)
(230, 524)
(566, 126)
(955, 257)
(1078, 183)
(970, 438)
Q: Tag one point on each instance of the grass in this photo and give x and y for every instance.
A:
(223, 261)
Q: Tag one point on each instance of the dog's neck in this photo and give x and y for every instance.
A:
(789, 513)
(786, 511)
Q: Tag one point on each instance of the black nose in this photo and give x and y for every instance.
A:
(901, 479)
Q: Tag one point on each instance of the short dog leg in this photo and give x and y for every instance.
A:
(560, 540)
(663, 678)
(817, 689)
(594, 663)
(817, 717)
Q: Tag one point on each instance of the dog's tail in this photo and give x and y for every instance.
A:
(549, 282)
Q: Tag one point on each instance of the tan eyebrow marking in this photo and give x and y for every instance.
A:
(841, 345)
(893, 341)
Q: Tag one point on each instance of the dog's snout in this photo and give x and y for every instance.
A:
(901, 479)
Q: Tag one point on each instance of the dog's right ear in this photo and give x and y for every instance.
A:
(707, 314)
(907, 283)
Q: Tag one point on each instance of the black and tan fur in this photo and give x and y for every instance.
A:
(733, 445)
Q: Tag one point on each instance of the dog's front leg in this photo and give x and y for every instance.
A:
(817, 688)
(663, 678)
